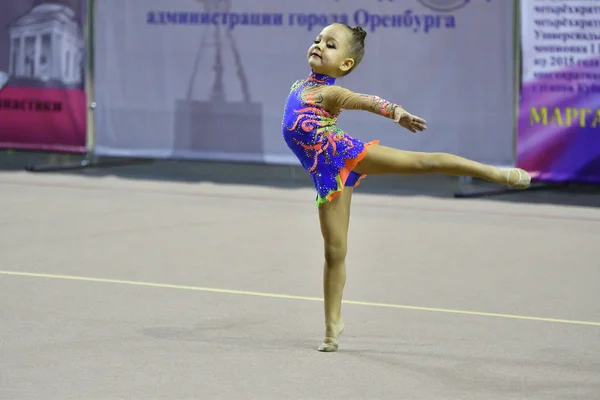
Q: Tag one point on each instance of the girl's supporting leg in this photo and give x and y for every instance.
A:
(334, 217)
(387, 160)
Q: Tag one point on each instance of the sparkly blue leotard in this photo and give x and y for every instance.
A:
(326, 152)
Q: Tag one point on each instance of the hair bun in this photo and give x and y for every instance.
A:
(360, 31)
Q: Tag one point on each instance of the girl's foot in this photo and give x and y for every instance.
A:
(331, 343)
(518, 178)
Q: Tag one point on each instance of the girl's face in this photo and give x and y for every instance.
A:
(328, 55)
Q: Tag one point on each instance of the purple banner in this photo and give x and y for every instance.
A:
(170, 74)
(559, 123)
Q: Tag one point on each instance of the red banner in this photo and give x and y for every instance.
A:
(42, 96)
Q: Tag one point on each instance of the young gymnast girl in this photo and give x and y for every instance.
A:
(336, 161)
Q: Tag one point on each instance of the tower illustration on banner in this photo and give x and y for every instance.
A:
(3, 79)
(47, 46)
(216, 124)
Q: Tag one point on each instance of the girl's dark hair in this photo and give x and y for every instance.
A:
(357, 45)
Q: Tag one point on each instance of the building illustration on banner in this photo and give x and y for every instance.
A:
(47, 47)
(203, 125)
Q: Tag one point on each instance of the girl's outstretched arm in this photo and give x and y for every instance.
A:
(342, 98)
(338, 98)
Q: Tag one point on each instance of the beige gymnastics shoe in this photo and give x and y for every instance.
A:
(330, 344)
(523, 179)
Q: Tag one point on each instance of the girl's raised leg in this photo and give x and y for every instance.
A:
(387, 160)
(334, 217)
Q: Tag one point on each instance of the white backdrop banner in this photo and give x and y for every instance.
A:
(208, 79)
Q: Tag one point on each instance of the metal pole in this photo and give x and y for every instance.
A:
(517, 74)
(90, 30)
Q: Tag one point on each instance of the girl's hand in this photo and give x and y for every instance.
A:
(409, 121)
